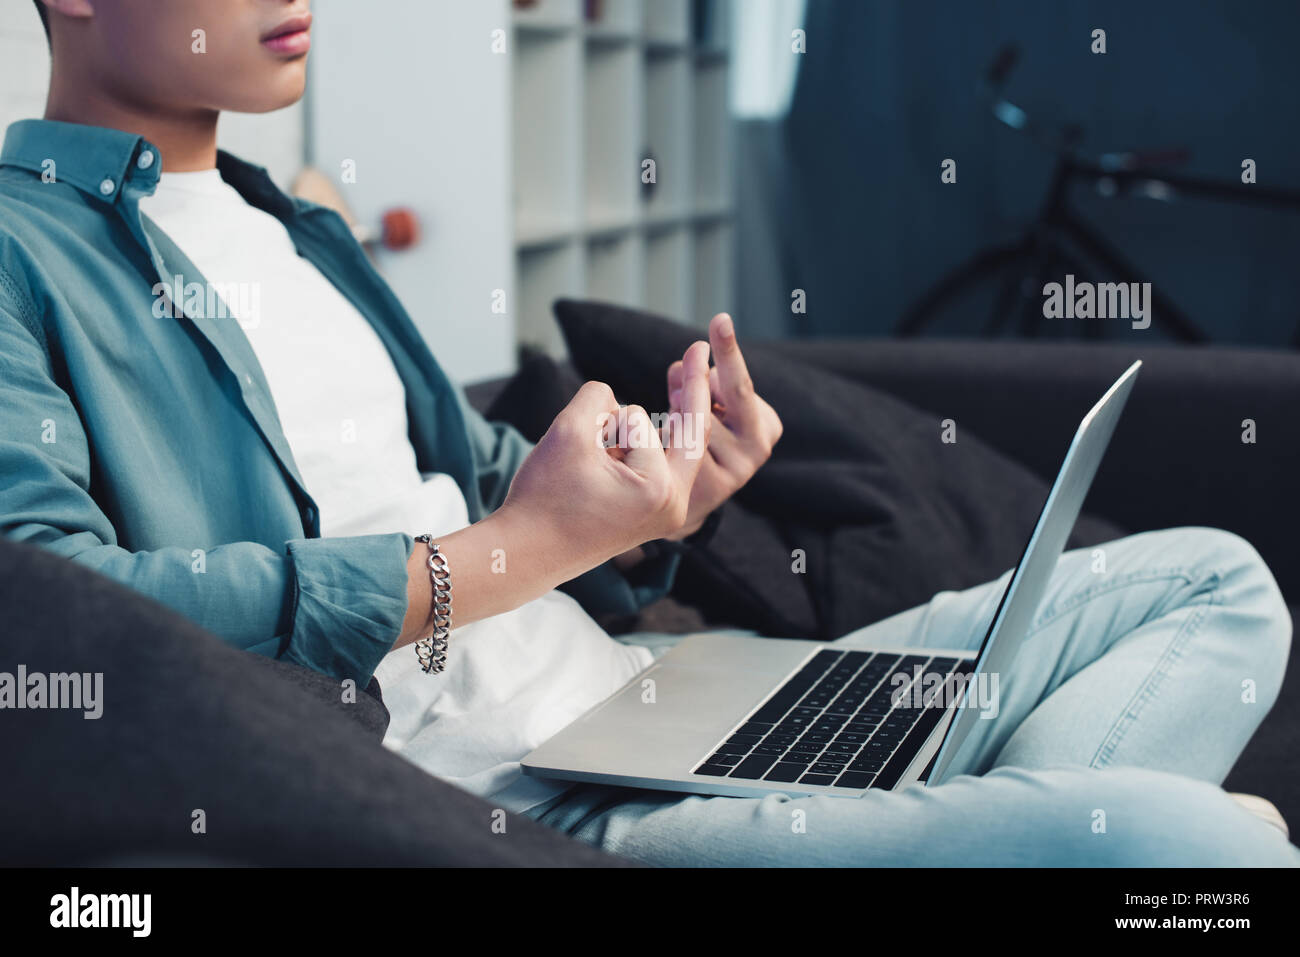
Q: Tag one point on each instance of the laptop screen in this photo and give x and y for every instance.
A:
(967, 734)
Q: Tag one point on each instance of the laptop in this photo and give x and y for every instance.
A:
(745, 716)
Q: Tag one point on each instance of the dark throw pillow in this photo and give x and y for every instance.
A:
(863, 510)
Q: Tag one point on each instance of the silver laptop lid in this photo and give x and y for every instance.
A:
(1029, 580)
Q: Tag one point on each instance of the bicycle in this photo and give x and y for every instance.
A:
(1046, 251)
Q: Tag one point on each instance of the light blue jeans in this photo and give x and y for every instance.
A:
(1149, 665)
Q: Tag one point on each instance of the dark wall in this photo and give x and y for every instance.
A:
(887, 90)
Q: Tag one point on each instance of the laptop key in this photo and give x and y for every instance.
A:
(822, 768)
(777, 749)
(713, 770)
(729, 760)
(755, 727)
(858, 780)
(892, 771)
(869, 762)
(822, 660)
(785, 698)
(791, 726)
(795, 733)
(745, 739)
(727, 747)
(785, 772)
(825, 779)
(754, 766)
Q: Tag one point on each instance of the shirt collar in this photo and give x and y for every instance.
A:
(101, 162)
(95, 160)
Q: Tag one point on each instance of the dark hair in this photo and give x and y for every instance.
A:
(45, 16)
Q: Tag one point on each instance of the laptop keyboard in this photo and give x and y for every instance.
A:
(842, 720)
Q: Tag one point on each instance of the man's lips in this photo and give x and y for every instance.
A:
(291, 38)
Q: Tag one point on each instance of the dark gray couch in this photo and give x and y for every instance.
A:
(287, 775)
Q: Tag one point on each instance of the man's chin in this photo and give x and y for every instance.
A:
(281, 92)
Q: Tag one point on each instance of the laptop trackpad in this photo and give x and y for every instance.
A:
(673, 713)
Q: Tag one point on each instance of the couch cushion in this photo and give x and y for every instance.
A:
(192, 724)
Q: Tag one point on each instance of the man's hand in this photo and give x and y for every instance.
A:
(599, 501)
(744, 427)
(575, 503)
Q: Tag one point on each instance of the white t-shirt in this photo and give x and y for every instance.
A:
(512, 681)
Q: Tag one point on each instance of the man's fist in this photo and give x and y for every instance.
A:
(601, 482)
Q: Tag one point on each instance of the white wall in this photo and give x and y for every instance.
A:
(24, 62)
(274, 140)
(421, 105)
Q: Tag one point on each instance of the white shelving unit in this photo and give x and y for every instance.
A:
(598, 87)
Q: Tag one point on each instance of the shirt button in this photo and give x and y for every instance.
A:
(145, 160)
(107, 187)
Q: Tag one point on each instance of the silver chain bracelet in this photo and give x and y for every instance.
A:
(432, 651)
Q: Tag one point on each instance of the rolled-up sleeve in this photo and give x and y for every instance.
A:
(349, 602)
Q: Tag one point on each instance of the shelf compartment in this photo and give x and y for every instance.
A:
(714, 270)
(612, 133)
(668, 22)
(547, 134)
(616, 269)
(712, 136)
(547, 274)
(549, 15)
(669, 125)
(618, 19)
(669, 277)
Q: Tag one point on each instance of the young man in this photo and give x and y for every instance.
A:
(264, 478)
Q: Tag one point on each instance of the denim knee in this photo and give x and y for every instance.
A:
(1257, 587)
(1247, 587)
(1138, 817)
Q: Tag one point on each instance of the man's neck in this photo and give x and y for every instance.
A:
(187, 141)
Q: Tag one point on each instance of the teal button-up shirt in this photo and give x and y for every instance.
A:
(149, 448)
